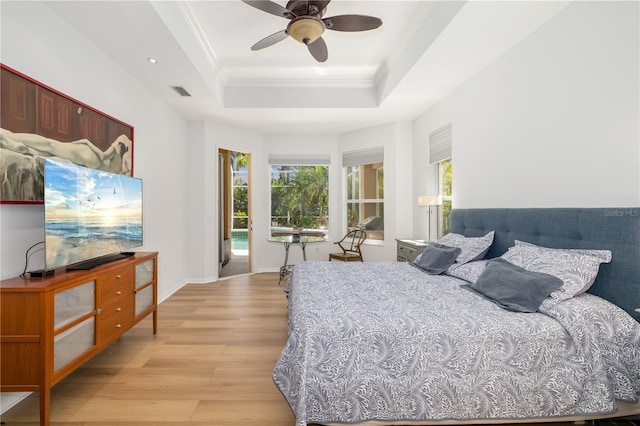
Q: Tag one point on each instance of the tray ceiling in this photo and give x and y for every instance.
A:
(422, 51)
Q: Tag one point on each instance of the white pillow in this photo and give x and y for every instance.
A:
(469, 271)
(605, 255)
(473, 248)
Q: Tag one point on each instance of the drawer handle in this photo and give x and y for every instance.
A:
(118, 276)
(118, 309)
(118, 292)
(118, 326)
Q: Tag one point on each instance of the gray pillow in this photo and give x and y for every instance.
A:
(577, 268)
(436, 258)
(512, 287)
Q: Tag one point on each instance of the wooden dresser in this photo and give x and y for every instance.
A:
(51, 326)
(408, 250)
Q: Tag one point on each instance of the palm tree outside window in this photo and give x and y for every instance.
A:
(299, 198)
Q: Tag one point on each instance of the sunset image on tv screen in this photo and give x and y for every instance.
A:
(89, 213)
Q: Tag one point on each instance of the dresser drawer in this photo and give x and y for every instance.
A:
(408, 250)
(118, 307)
(116, 284)
(117, 275)
(115, 317)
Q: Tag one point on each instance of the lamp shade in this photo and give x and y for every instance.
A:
(306, 29)
(429, 200)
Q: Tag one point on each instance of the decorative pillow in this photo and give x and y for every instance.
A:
(605, 255)
(437, 258)
(473, 248)
(576, 269)
(512, 287)
(469, 271)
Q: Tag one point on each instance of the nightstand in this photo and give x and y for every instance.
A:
(408, 250)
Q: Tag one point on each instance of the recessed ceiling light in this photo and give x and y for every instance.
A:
(152, 60)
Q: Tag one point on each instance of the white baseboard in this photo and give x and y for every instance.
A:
(165, 295)
(261, 270)
(11, 399)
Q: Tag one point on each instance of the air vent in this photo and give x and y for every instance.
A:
(181, 91)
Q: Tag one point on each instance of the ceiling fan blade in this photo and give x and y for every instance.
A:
(270, 40)
(352, 23)
(318, 50)
(270, 7)
(320, 4)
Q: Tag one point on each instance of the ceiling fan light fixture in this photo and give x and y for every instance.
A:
(306, 29)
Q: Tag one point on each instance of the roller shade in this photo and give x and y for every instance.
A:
(363, 156)
(299, 160)
(440, 144)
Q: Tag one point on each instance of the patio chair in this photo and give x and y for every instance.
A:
(350, 245)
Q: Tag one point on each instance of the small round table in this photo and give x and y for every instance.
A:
(288, 240)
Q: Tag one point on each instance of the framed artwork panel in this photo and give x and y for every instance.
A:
(38, 122)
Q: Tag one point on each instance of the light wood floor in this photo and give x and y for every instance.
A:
(210, 364)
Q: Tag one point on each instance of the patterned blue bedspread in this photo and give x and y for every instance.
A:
(385, 341)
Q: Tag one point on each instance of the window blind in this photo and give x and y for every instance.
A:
(440, 144)
(299, 160)
(363, 156)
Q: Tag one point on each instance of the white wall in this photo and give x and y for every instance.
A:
(36, 42)
(199, 183)
(552, 123)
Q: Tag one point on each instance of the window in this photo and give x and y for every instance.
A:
(440, 155)
(299, 194)
(445, 169)
(365, 191)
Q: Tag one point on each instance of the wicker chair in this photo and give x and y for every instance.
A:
(350, 245)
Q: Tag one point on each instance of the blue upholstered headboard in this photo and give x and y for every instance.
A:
(615, 229)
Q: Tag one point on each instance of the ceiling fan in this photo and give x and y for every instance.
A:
(307, 24)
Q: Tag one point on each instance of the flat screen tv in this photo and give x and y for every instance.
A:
(91, 217)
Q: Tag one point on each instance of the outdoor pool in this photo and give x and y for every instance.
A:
(239, 240)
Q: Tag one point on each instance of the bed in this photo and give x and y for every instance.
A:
(387, 343)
